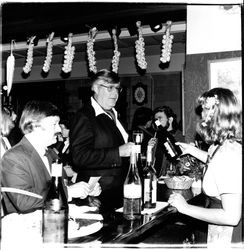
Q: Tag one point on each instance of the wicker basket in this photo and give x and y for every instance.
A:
(179, 182)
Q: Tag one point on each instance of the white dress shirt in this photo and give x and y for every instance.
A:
(99, 110)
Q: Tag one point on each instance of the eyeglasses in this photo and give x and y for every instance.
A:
(110, 88)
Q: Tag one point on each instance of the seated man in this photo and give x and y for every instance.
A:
(26, 167)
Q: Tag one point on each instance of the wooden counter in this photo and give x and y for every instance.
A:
(160, 227)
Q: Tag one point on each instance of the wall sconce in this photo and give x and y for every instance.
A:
(155, 27)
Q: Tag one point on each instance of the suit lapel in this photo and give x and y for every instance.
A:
(35, 158)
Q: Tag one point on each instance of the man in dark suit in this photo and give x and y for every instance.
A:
(99, 143)
(26, 168)
(168, 120)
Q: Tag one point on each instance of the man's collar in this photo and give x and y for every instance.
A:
(98, 109)
(39, 148)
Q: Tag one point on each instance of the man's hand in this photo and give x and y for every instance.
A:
(78, 190)
(125, 150)
(96, 190)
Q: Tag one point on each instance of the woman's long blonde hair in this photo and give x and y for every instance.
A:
(226, 119)
(7, 124)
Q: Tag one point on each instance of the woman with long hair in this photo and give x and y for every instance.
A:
(221, 127)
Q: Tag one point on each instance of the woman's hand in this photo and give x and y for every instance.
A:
(178, 201)
(96, 190)
(189, 148)
(186, 148)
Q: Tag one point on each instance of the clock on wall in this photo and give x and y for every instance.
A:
(139, 94)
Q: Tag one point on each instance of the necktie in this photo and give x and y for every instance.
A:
(49, 158)
(4, 144)
(112, 115)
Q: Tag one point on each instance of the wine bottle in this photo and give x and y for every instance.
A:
(139, 163)
(167, 141)
(150, 182)
(132, 191)
(55, 210)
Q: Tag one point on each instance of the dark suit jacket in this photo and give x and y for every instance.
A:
(23, 168)
(94, 146)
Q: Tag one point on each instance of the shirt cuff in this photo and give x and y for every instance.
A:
(69, 194)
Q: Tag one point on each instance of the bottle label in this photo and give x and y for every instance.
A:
(132, 191)
(57, 169)
(137, 149)
(56, 205)
(138, 139)
(154, 191)
(146, 190)
(150, 195)
(169, 149)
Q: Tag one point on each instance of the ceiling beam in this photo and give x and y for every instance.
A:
(101, 36)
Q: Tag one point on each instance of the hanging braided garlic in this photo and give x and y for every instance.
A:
(68, 55)
(167, 44)
(140, 50)
(29, 59)
(115, 60)
(48, 60)
(10, 68)
(90, 50)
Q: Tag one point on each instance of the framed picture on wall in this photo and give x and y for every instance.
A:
(226, 73)
(140, 94)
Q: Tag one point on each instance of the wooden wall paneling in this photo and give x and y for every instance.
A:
(196, 82)
(167, 89)
(145, 80)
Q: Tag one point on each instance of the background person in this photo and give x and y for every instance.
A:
(7, 124)
(221, 128)
(168, 120)
(26, 166)
(98, 142)
(141, 121)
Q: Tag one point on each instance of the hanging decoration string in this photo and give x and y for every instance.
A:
(48, 60)
(116, 56)
(90, 50)
(29, 58)
(167, 44)
(140, 48)
(69, 54)
(10, 68)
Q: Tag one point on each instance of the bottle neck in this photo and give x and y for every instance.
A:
(149, 154)
(133, 159)
(56, 180)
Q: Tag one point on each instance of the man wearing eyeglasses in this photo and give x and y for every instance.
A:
(99, 143)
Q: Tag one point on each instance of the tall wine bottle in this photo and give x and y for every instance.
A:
(132, 191)
(137, 138)
(167, 141)
(55, 210)
(150, 182)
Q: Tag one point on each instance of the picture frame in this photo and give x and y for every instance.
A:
(226, 73)
(140, 94)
